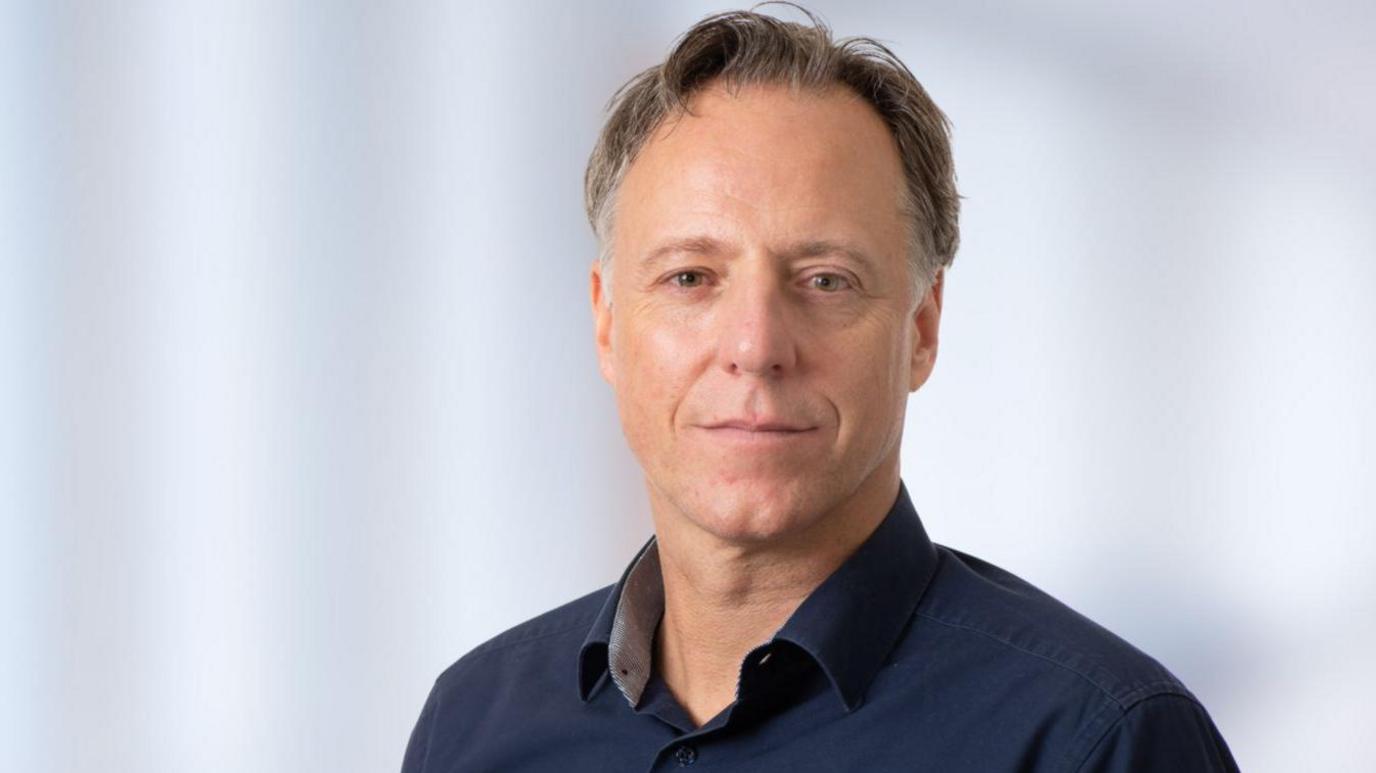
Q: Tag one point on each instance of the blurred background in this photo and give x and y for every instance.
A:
(297, 378)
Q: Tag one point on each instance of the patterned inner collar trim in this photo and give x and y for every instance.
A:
(630, 651)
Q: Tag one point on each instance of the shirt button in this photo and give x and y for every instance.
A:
(686, 755)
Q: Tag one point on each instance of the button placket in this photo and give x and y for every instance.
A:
(685, 755)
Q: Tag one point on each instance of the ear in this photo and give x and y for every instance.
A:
(926, 328)
(602, 321)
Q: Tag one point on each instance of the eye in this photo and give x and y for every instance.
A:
(829, 283)
(687, 279)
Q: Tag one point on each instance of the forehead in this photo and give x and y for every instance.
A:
(767, 162)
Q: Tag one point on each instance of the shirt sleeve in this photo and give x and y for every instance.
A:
(418, 748)
(1161, 734)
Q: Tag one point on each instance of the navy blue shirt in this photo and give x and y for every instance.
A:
(911, 656)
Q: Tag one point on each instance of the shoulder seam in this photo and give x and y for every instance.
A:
(1140, 692)
(1076, 766)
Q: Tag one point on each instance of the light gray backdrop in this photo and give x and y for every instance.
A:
(298, 399)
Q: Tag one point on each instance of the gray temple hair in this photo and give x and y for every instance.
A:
(745, 48)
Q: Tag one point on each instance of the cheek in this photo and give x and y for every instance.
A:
(658, 361)
(874, 377)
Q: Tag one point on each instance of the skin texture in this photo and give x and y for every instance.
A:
(760, 257)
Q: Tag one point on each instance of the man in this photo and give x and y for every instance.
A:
(776, 213)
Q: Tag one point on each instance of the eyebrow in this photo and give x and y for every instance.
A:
(813, 248)
(693, 245)
(810, 248)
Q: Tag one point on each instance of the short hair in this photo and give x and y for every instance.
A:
(744, 48)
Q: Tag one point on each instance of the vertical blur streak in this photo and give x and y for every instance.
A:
(211, 492)
(29, 631)
(298, 398)
(168, 498)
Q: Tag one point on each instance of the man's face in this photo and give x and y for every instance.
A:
(763, 333)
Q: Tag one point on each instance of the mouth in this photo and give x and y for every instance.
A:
(758, 431)
(760, 426)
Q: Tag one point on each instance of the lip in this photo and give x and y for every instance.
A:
(759, 426)
(763, 432)
(739, 435)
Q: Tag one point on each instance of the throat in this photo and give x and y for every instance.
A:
(703, 681)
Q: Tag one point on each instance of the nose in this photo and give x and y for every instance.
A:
(755, 335)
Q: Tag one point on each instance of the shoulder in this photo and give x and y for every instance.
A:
(1163, 733)
(1027, 660)
(978, 601)
(550, 631)
(499, 680)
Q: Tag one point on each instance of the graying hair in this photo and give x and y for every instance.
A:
(744, 48)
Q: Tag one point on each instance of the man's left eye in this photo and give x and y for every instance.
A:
(829, 283)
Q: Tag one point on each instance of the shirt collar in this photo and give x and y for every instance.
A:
(593, 664)
(849, 624)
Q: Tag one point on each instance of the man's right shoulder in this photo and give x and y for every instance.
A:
(569, 621)
(501, 679)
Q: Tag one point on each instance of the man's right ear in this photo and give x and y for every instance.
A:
(602, 321)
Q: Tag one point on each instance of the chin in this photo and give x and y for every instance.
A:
(749, 511)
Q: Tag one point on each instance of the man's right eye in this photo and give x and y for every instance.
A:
(687, 279)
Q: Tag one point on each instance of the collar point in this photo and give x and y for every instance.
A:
(852, 703)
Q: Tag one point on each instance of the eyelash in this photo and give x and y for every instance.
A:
(672, 279)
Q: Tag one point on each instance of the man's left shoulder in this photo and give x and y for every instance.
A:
(986, 601)
(1049, 675)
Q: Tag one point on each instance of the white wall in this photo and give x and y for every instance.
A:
(297, 381)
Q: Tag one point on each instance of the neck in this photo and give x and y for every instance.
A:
(723, 598)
